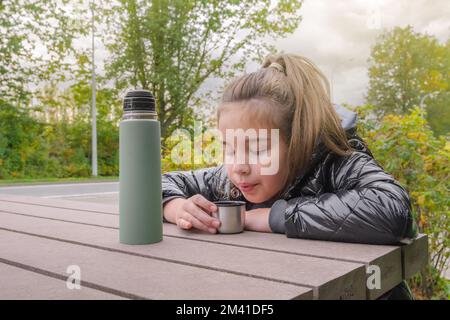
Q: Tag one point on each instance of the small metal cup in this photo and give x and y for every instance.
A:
(231, 215)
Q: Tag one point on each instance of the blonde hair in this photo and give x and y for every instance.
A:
(293, 95)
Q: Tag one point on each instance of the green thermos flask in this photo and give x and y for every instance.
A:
(140, 194)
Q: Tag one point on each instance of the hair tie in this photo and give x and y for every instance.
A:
(277, 66)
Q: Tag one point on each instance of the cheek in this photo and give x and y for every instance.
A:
(275, 181)
(272, 182)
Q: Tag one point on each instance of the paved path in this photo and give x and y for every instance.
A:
(97, 192)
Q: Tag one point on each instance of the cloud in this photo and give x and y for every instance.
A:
(338, 35)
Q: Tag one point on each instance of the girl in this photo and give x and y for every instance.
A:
(328, 186)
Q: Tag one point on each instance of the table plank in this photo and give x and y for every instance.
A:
(17, 283)
(415, 256)
(388, 258)
(60, 203)
(411, 257)
(81, 216)
(138, 276)
(330, 279)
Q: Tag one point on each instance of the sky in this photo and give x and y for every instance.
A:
(338, 35)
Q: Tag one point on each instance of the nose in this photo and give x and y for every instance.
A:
(241, 169)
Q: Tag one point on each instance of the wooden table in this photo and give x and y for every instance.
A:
(41, 238)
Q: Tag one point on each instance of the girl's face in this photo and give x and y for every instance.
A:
(251, 178)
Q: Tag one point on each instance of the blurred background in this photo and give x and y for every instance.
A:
(66, 64)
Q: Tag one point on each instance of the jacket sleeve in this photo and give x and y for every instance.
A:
(366, 205)
(185, 184)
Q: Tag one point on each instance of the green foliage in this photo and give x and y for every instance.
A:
(35, 36)
(409, 69)
(406, 147)
(54, 139)
(20, 142)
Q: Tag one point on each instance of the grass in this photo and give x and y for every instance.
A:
(28, 181)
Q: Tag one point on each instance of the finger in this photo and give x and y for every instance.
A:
(197, 223)
(204, 203)
(184, 224)
(202, 216)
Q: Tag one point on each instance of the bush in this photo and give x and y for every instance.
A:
(21, 143)
(32, 149)
(406, 147)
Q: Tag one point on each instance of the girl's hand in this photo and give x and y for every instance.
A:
(257, 220)
(194, 212)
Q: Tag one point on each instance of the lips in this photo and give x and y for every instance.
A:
(246, 186)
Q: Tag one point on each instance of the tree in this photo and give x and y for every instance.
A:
(67, 112)
(35, 36)
(172, 47)
(409, 69)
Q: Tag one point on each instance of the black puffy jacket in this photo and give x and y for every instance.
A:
(348, 199)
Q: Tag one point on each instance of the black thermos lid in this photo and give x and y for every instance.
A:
(139, 100)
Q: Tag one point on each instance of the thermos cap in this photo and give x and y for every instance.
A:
(141, 100)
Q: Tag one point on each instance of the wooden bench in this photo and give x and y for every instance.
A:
(40, 238)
